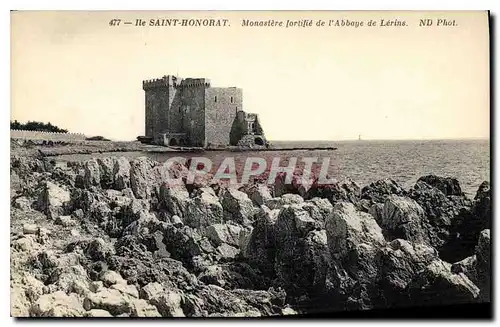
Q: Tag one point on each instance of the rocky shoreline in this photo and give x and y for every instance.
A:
(109, 238)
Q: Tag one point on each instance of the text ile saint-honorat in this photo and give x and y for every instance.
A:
(223, 22)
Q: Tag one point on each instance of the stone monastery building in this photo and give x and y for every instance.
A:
(190, 112)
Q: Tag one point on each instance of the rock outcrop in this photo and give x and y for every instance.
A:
(113, 237)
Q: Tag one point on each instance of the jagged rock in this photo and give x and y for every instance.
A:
(66, 221)
(135, 210)
(482, 205)
(346, 228)
(176, 221)
(437, 285)
(399, 264)
(45, 260)
(57, 304)
(22, 203)
(118, 199)
(203, 209)
(70, 279)
(467, 225)
(205, 251)
(193, 306)
(283, 184)
(377, 212)
(106, 167)
(216, 301)
(238, 205)
(265, 303)
(146, 224)
(53, 200)
(259, 246)
(151, 291)
(285, 199)
(447, 185)
(92, 176)
(121, 173)
(439, 208)
(19, 303)
(139, 180)
(223, 233)
(108, 299)
(232, 275)
(142, 269)
(30, 229)
(294, 220)
(319, 209)
(291, 198)
(97, 313)
(478, 266)
(483, 248)
(258, 193)
(98, 249)
(227, 252)
(146, 177)
(379, 191)
(343, 190)
(78, 214)
(403, 218)
(176, 198)
(168, 303)
(466, 266)
(288, 311)
(24, 244)
(96, 286)
(24, 289)
(126, 289)
(274, 203)
(183, 243)
(303, 267)
(443, 217)
(301, 251)
(33, 287)
(214, 275)
(110, 277)
(141, 308)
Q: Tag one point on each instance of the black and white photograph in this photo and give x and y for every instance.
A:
(250, 164)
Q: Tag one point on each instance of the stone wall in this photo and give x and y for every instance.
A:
(220, 113)
(156, 110)
(49, 136)
(192, 113)
(205, 114)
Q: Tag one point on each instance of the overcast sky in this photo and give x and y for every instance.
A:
(328, 83)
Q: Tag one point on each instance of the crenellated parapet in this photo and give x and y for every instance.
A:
(174, 81)
(195, 82)
(153, 84)
(41, 135)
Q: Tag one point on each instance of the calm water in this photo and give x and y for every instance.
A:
(368, 161)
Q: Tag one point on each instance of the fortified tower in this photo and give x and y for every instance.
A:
(171, 103)
(189, 111)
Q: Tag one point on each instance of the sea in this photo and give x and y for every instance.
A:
(367, 161)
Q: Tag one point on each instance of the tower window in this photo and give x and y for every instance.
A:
(215, 99)
(231, 99)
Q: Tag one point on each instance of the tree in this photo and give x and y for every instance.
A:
(36, 126)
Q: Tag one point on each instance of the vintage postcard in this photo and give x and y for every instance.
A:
(249, 163)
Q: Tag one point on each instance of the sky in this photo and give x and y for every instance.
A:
(306, 83)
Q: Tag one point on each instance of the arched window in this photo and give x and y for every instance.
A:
(215, 99)
(231, 99)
